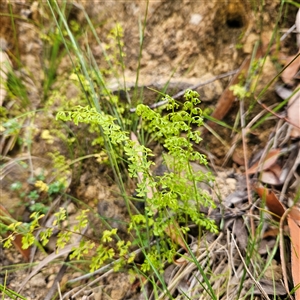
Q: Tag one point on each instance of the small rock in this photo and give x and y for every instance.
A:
(222, 174)
(249, 43)
(38, 281)
(231, 183)
(273, 271)
(71, 209)
(196, 19)
(51, 279)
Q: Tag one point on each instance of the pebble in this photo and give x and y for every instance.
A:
(71, 209)
(51, 279)
(196, 19)
(231, 183)
(38, 281)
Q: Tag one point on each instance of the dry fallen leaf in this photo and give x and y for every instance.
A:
(297, 23)
(181, 261)
(295, 215)
(272, 175)
(173, 231)
(283, 92)
(276, 207)
(268, 161)
(17, 241)
(240, 232)
(5, 64)
(292, 66)
(269, 286)
(295, 252)
(293, 113)
(271, 233)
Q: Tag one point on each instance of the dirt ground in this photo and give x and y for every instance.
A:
(185, 43)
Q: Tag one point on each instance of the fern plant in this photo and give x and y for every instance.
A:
(174, 201)
(175, 195)
(177, 190)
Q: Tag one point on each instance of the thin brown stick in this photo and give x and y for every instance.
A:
(245, 153)
(205, 82)
(276, 115)
(181, 93)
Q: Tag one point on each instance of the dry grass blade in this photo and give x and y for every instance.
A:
(190, 269)
(227, 98)
(59, 291)
(258, 285)
(83, 288)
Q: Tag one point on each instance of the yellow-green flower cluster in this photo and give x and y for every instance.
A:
(42, 186)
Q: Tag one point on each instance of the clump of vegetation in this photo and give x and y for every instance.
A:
(175, 196)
